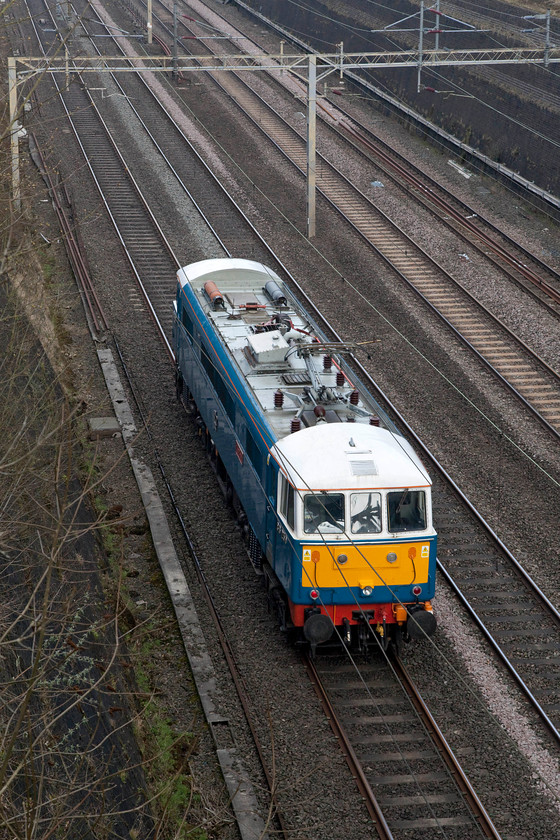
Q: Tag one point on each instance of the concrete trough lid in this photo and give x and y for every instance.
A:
(101, 427)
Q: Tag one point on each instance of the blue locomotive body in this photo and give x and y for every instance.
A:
(335, 504)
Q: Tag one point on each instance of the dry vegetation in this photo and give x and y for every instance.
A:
(86, 750)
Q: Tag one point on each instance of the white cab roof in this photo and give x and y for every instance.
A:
(342, 456)
(230, 271)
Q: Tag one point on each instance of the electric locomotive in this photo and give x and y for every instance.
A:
(335, 504)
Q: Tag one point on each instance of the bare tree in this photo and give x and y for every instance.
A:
(86, 751)
(69, 765)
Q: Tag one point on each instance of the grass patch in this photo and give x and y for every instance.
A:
(166, 751)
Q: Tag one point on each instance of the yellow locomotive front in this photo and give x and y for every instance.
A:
(356, 504)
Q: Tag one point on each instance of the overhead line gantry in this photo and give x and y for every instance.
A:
(310, 69)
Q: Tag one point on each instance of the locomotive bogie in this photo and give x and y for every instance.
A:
(337, 504)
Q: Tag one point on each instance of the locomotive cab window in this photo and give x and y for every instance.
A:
(323, 513)
(365, 513)
(407, 510)
(287, 502)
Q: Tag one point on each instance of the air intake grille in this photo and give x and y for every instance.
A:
(296, 378)
(363, 467)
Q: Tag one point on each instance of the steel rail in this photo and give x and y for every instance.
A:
(498, 650)
(160, 150)
(235, 672)
(363, 136)
(498, 170)
(461, 780)
(75, 253)
(547, 605)
(429, 197)
(127, 174)
(351, 745)
(372, 805)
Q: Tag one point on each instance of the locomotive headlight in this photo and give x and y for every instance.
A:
(342, 559)
(391, 557)
(366, 591)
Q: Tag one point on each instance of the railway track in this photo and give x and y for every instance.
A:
(159, 304)
(145, 245)
(146, 248)
(368, 83)
(523, 267)
(408, 775)
(417, 789)
(159, 301)
(517, 635)
(537, 385)
(520, 623)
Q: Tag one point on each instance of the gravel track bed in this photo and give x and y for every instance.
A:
(532, 230)
(464, 112)
(478, 275)
(312, 779)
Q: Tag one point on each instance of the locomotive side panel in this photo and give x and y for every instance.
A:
(213, 390)
(285, 561)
